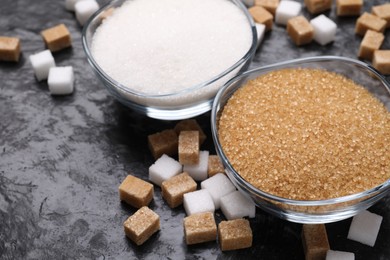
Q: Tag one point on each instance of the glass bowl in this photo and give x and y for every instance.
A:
(189, 102)
(308, 211)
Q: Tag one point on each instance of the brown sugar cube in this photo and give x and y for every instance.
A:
(57, 38)
(369, 21)
(140, 226)
(381, 61)
(188, 125)
(172, 190)
(300, 30)
(234, 234)
(318, 6)
(382, 11)
(199, 228)
(315, 241)
(9, 48)
(269, 5)
(136, 192)
(164, 142)
(189, 147)
(372, 41)
(349, 7)
(107, 13)
(261, 15)
(214, 166)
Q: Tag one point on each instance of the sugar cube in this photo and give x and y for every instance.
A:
(315, 241)
(198, 202)
(236, 205)
(135, 191)
(215, 165)
(348, 7)
(234, 234)
(324, 29)
(84, 10)
(61, 80)
(41, 63)
(269, 5)
(369, 21)
(190, 124)
(300, 30)
(381, 61)
(198, 171)
(372, 41)
(140, 226)
(172, 190)
(218, 186)
(199, 228)
(339, 255)
(382, 11)
(70, 4)
(365, 227)
(163, 169)
(189, 147)
(9, 48)
(262, 16)
(260, 28)
(318, 6)
(164, 142)
(57, 38)
(287, 9)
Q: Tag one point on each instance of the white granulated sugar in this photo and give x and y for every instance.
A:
(164, 46)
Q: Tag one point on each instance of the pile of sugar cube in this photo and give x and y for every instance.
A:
(179, 180)
(322, 29)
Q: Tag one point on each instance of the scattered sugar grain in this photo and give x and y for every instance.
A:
(163, 169)
(187, 43)
(41, 63)
(324, 29)
(198, 171)
(236, 205)
(327, 122)
(61, 80)
(365, 227)
(218, 186)
(339, 255)
(198, 201)
(287, 9)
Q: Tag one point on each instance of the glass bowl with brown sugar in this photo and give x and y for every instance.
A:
(306, 139)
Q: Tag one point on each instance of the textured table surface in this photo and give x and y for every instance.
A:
(62, 158)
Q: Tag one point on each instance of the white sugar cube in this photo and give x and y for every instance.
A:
(365, 227)
(218, 186)
(260, 28)
(84, 10)
(236, 205)
(198, 202)
(199, 171)
(287, 9)
(41, 63)
(163, 169)
(339, 255)
(61, 80)
(324, 29)
(69, 4)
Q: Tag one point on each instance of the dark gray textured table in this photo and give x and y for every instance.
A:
(62, 158)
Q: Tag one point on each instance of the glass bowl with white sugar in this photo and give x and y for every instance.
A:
(168, 58)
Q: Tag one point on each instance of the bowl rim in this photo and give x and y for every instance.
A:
(245, 58)
(383, 187)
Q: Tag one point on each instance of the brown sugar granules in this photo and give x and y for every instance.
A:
(306, 134)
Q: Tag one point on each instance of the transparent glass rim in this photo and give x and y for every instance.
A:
(385, 186)
(247, 56)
